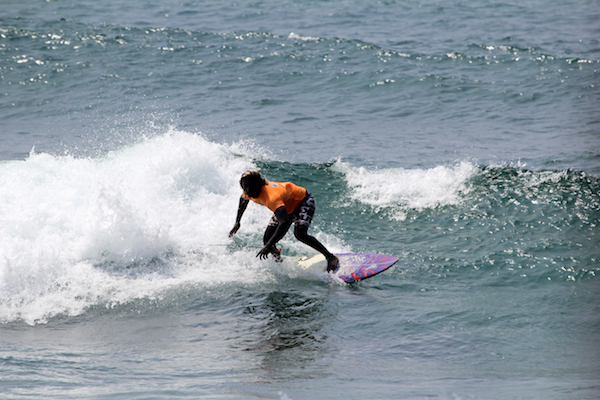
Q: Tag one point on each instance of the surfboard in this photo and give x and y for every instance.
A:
(353, 266)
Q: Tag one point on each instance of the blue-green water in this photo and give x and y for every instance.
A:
(461, 137)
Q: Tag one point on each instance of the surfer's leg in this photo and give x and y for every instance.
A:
(303, 216)
(301, 233)
(269, 232)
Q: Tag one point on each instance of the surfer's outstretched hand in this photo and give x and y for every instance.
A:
(236, 227)
(264, 252)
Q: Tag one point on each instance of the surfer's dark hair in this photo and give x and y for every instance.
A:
(253, 178)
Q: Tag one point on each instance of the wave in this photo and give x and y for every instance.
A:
(399, 189)
(452, 185)
(154, 216)
(147, 218)
(82, 231)
(494, 225)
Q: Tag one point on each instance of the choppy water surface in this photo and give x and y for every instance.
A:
(460, 137)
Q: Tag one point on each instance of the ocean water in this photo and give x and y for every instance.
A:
(462, 137)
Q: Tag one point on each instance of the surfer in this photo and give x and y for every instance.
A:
(290, 204)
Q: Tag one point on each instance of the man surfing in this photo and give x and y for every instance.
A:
(290, 204)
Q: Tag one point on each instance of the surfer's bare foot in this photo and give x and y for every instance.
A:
(332, 263)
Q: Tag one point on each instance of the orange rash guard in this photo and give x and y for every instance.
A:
(277, 194)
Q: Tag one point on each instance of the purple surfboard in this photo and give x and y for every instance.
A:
(357, 266)
(353, 266)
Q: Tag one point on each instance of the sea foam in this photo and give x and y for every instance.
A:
(399, 189)
(78, 232)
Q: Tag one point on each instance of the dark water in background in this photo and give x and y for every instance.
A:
(461, 137)
(430, 84)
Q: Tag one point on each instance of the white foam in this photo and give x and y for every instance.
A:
(79, 232)
(295, 36)
(399, 189)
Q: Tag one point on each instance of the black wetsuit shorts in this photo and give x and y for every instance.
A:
(303, 214)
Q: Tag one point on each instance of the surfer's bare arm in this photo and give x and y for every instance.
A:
(241, 209)
(284, 224)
